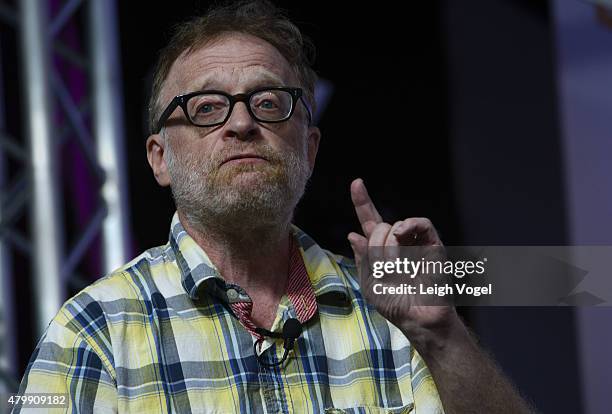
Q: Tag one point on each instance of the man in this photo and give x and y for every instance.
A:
(207, 323)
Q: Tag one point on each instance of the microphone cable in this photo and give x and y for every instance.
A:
(292, 329)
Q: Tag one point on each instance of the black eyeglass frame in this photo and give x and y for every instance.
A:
(181, 101)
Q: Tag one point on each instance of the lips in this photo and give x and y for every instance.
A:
(243, 156)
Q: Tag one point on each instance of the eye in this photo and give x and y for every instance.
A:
(266, 101)
(267, 104)
(206, 108)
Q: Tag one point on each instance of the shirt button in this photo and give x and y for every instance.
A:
(232, 294)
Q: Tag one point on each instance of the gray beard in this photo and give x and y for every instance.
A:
(238, 200)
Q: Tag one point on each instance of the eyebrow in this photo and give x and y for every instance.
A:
(262, 79)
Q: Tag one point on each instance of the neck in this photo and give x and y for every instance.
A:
(256, 259)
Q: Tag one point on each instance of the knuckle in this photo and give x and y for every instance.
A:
(382, 226)
(410, 222)
(397, 224)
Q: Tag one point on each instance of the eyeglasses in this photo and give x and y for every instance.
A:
(212, 108)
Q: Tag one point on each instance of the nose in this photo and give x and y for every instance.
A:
(241, 124)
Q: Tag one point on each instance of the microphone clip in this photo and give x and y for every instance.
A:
(292, 329)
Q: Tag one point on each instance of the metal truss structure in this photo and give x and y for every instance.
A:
(61, 125)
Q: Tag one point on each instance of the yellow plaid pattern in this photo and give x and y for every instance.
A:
(158, 336)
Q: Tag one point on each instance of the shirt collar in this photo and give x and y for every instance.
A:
(199, 274)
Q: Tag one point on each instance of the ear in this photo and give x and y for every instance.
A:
(314, 136)
(155, 155)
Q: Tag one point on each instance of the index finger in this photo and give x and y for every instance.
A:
(364, 207)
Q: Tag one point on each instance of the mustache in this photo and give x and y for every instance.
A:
(260, 150)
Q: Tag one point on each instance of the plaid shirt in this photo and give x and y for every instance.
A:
(158, 336)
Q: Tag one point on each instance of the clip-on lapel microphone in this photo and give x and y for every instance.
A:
(292, 329)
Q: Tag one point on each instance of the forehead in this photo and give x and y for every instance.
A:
(234, 63)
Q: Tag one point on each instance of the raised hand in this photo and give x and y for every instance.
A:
(382, 241)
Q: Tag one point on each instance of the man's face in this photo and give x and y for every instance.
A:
(242, 173)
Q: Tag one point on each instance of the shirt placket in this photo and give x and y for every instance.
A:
(272, 393)
(270, 381)
(301, 304)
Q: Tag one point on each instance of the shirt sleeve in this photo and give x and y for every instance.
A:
(65, 363)
(424, 391)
